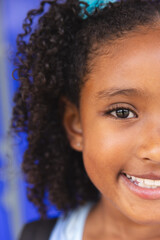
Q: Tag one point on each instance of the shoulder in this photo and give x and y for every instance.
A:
(70, 226)
(38, 230)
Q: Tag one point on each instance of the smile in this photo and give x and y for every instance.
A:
(142, 182)
(142, 187)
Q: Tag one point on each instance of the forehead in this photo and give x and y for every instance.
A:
(133, 61)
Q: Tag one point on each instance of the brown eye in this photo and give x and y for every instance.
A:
(122, 113)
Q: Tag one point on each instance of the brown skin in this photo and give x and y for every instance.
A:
(111, 144)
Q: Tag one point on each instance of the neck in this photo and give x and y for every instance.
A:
(110, 223)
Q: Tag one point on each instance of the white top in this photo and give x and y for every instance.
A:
(71, 227)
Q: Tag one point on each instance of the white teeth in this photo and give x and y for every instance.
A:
(140, 180)
(133, 178)
(128, 176)
(140, 184)
(146, 183)
(157, 182)
(149, 182)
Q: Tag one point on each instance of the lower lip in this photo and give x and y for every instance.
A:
(145, 193)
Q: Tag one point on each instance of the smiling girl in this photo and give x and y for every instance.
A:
(89, 101)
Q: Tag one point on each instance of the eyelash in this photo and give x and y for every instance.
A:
(118, 107)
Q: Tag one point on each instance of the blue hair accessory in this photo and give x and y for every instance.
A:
(92, 4)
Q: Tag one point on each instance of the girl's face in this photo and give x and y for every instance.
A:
(120, 123)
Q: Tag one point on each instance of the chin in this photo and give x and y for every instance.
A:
(145, 218)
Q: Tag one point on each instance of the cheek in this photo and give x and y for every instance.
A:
(105, 154)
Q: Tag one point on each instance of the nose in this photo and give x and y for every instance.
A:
(149, 148)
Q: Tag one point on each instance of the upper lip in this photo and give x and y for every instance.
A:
(151, 176)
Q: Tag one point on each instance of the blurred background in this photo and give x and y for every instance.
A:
(15, 210)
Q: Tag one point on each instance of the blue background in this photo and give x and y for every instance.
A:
(15, 210)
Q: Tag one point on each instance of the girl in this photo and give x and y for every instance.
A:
(89, 101)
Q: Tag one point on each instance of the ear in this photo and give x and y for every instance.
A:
(72, 124)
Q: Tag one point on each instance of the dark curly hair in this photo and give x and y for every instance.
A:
(53, 60)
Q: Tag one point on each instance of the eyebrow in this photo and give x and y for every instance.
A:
(107, 93)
